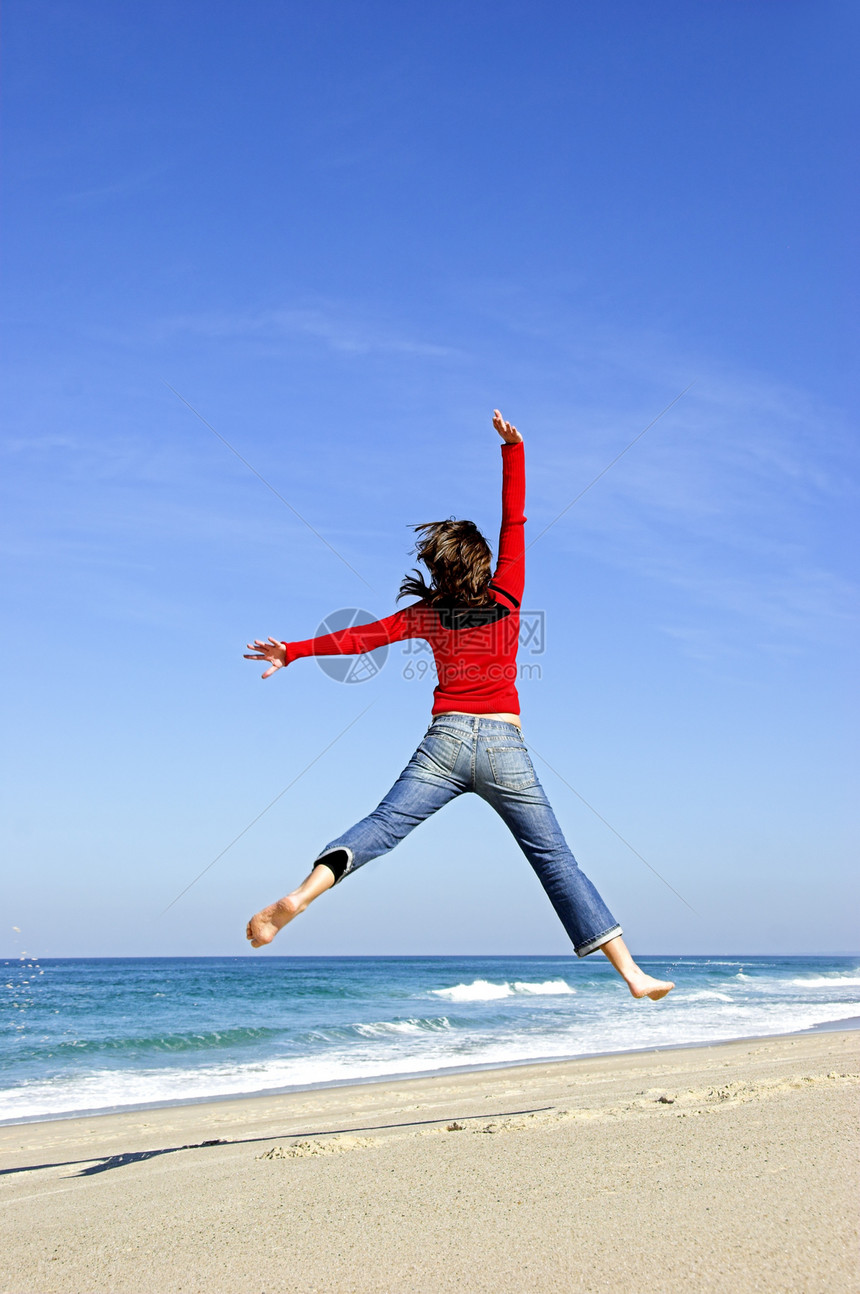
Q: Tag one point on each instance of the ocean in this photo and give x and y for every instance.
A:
(86, 1036)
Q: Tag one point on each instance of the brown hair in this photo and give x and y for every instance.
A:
(458, 558)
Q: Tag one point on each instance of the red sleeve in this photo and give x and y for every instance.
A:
(510, 573)
(361, 638)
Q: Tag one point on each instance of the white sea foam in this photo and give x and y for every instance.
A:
(380, 1028)
(835, 980)
(481, 990)
(549, 988)
(703, 995)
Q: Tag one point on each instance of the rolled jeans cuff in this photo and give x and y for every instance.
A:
(598, 941)
(339, 867)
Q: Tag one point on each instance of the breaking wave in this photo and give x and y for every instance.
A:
(481, 990)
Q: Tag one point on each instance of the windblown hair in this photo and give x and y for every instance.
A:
(458, 558)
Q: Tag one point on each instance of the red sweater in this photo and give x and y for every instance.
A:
(475, 648)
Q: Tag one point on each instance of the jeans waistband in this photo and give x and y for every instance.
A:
(473, 723)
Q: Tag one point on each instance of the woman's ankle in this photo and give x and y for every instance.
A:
(620, 958)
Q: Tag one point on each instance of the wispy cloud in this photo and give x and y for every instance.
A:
(336, 327)
(120, 187)
(46, 443)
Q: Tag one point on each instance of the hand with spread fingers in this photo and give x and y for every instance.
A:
(272, 651)
(508, 433)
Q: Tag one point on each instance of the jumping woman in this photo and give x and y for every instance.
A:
(470, 616)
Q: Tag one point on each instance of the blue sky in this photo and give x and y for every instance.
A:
(344, 233)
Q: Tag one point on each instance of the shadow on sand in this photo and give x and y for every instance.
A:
(103, 1165)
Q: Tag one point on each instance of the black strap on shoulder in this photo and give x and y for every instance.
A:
(504, 593)
(470, 617)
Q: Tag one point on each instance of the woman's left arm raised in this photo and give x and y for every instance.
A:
(509, 575)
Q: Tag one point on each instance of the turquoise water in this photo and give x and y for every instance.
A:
(92, 1035)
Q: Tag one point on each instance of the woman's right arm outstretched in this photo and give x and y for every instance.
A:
(353, 641)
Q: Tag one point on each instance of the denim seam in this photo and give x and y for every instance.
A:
(446, 767)
(592, 945)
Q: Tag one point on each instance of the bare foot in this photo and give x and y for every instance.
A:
(263, 927)
(642, 985)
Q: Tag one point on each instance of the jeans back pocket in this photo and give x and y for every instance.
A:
(512, 767)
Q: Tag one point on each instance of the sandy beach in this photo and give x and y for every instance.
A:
(731, 1167)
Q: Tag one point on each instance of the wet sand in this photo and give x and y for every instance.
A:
(729, 1168)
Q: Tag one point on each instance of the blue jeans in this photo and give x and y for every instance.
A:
(488, 756)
